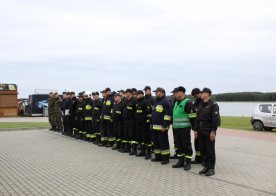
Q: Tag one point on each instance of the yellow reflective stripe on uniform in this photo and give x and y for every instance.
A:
(139, 111)
(159, 108)
(118, 112)
(167, 117)
(111, 139)
(157, 151)
(148, 121)
(180, 155)
(111, 111)
(198, 153)
(108, 103)
(88, 107)
(95, 108)
(165, 152)
(157, 127)
(134, 142)
(189, 157)
(92, 136)
(104, 138)
(106, 117)
(129, 108)
(80, 108)
(87, 118)
(192, 115)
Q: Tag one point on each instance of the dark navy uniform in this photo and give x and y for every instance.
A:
(208, 119)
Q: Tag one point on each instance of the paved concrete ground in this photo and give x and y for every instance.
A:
(40, 162)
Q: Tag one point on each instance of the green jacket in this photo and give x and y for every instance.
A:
(57, 102)
(51, 105)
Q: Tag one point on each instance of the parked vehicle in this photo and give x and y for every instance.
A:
(264, 117)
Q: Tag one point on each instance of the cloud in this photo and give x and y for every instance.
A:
(226, 45)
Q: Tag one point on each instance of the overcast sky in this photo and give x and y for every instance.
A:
(226, 45)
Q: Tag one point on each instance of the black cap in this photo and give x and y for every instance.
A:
(117, 94)
(93, 94)
(180, 88)
(140, 92)
(73, 93)
(107, 89)
(195, 91)
(147, 88)
(103, 91)
(129, 90)
(134, 90)
(121, 91)
(97, 93)
(64, 93)
(113, 93)
(80, 95)
(159, 89)
(68, 93)
(174, 90)
(206, 90)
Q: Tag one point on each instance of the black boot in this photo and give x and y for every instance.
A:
(122, 147)
(165, 159)
(51, 129)
(210, 172)
(127, 148)
(142, 152)
(133, 149)
(157, 158)
(115, 146)
(174, 156)
(102, 143)
(203, 171)
(198, 160)
(148, 153)
(180, 163)
(187, 165)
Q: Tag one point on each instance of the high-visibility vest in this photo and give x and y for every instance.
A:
(180, 117)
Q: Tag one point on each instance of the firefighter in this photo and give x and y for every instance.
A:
(196, 93)
(173, 100)
(73, 114)
(141, 125)
(79, 117)
(107, 139)
(96, 117)
(88, 128)
(208, 120)
(117, 118)
(161, 118)
(130, 141)
(183, 119)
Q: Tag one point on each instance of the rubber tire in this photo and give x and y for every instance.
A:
(258, 125)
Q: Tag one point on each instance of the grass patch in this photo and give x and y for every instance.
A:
(235, 122)
(14, 125)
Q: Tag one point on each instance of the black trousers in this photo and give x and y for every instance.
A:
(197, 149)
(66, 124)
(105, 130)
(88, 126)
(95, 127)
(130, 132)
(118, 127)
(183, 142)
(80, 124)
(160, 142)
(174, 141)
(143, 132)
(207, 148)
(73, 123)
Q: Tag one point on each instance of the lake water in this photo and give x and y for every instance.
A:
(237, 108)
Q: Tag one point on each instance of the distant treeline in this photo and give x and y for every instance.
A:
(245, 96)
